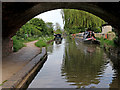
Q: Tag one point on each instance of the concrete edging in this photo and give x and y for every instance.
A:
(32, 66)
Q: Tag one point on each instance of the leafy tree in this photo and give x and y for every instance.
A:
(39, 24)
(77, 20)
(35, 28)
(57, 26)
(58, 31)
(49, 28)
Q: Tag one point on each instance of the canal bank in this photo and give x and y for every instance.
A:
(112, 51)
(22, 65)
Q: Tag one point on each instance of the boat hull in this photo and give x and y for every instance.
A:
(91, 40)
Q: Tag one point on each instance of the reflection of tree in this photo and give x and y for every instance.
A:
(81, 69)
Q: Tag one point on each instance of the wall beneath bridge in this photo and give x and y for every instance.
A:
(16, 14)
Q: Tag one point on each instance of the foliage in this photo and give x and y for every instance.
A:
(57, 26)
(31, 31)
(96, 29)
(78, 21)
(35, 28)
(17, 44)
(49, 28)
(104, 41)
(58, 31)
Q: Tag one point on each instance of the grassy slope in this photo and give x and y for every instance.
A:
(18, 44)
(43, 41)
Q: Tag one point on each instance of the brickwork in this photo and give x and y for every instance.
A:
(7, 46)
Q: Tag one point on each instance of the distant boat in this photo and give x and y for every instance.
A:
(58, 37)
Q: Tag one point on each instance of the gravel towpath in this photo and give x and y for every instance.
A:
(17, 60)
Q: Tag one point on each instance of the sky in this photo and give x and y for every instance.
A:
(53, 16)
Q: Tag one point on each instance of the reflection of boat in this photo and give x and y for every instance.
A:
(89, 37)
(58, 40)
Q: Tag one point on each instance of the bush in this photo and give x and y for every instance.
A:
(109, 42)
(104, 41)
(96, 29)
(17, 44)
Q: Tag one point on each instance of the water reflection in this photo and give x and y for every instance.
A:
(86, 66)
(116, 66)
(73, 64)
(58, 41)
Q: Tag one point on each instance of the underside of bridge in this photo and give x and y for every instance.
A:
(16, 14)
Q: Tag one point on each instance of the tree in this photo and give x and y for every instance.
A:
(77, 20)
(49, 28)
(35, 28)
(57, 26)
(39, 23)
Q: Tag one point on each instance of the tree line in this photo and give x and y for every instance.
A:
(76, 21)
(35, 28)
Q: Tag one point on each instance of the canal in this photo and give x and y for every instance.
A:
(74, 64)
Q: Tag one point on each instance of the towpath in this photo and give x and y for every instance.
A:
(17, 60)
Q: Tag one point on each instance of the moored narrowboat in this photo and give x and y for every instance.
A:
(89, 37)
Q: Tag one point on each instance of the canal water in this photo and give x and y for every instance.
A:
(74, 64)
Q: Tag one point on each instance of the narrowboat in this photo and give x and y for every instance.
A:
(89, 37)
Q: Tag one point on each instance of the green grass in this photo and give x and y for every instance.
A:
(18, 44)
(43, 41)
(109, 43)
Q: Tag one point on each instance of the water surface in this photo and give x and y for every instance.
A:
(73, 64)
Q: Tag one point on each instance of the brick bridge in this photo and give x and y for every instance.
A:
(15, 14)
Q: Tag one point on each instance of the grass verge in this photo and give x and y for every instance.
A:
(43, 41)
(19, 43)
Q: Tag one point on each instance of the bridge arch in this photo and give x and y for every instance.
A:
(17, 14)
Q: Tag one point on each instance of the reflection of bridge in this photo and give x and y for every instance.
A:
(15, 15)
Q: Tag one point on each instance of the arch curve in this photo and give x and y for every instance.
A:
(19, 16)
(16, 14)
